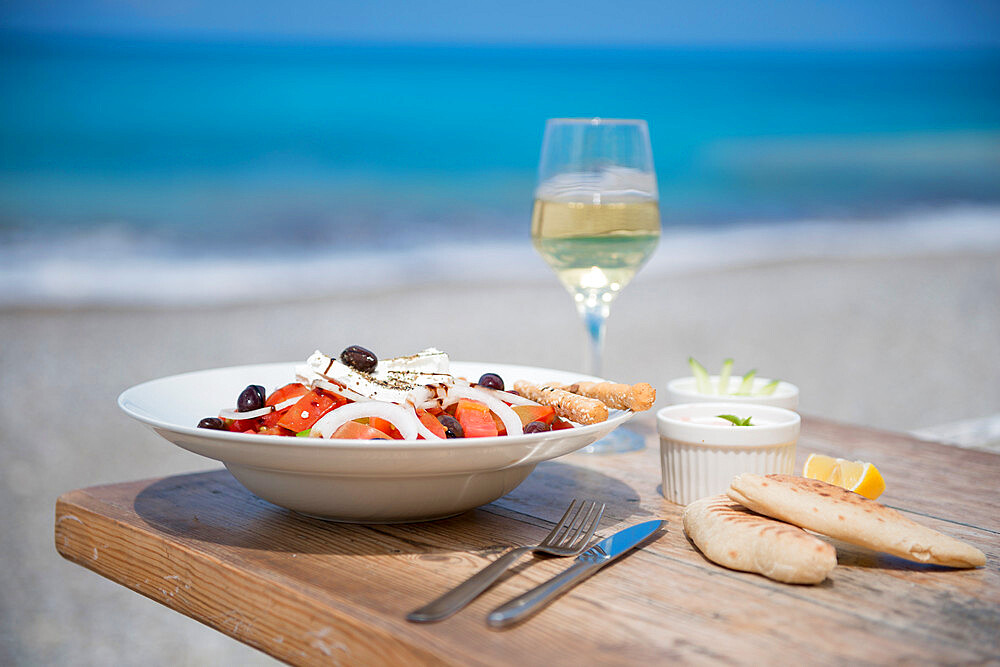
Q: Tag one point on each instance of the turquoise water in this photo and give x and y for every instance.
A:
(197, 148)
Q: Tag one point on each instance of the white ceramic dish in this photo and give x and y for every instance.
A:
(360, 481)
(684, 390)
(701, 459)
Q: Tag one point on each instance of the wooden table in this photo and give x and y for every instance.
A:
(310, 592)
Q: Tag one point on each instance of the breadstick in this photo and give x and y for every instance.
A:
(580, 409)
(634, 397)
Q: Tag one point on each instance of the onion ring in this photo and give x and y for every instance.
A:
(506, 396)
(424, 431)
(509, 418)
(253, 414)
(404, 420)
(418, 396)
(338, 389)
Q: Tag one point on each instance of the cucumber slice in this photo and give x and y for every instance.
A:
(704, 386)
(727, 367)
(747, 384)
(767, 389)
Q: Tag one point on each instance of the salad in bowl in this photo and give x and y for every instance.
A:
(410, 438)
(357, 396)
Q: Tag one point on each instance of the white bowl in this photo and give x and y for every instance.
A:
(685, 390)
(360, 481)
(700, 459)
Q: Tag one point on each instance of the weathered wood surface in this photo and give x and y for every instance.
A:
(310, 592)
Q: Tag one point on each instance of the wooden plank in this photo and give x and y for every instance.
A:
(923, 477)
(311, 592)
(265, 611)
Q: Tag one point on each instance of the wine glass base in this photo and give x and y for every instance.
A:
(619, 441)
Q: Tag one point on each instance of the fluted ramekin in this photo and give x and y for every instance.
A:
(700, 454)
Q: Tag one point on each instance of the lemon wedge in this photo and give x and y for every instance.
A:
(858, 476)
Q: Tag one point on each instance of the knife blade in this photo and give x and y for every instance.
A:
(584, 565)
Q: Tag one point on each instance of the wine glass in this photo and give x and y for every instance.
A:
(596, 221)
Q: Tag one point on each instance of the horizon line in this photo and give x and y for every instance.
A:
(219, 38)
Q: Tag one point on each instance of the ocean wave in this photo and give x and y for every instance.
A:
(117, 266)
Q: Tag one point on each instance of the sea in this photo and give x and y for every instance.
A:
(156, 171)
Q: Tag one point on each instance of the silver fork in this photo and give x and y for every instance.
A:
(568, 538)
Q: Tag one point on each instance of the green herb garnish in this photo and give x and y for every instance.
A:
(303, 434)
(736, 420)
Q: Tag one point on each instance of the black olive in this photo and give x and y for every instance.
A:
(452, 428)
(359, 358)
(536, 427)
(213, 423)
(251, 398)
(491, 381)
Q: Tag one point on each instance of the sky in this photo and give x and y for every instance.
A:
(865, 24)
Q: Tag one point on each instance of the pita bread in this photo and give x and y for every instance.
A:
(845, 515)
(733, 536)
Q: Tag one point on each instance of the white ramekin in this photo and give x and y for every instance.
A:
(685, 390)
(699, 460)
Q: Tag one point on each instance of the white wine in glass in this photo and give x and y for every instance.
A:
(596, 220)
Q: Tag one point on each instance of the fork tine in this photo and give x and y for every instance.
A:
(593, 524)
(577, 515)
(586, 520)
(562, 522)
(574, 527)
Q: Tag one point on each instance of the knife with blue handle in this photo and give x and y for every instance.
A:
(586, 564)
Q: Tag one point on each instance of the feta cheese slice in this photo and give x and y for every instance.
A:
(431, 360)
(394, 380)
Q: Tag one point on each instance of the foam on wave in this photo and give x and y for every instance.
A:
(109, 267)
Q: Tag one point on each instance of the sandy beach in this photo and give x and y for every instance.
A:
(899, 343)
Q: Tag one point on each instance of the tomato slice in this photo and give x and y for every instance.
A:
(358, 431)
(275, 430)
(291, 390)
(476, 419)
(431, 422)
(558, 424)
(386, 427)
(242, 425)
(501, 427)
(309, 409)
(535, 413)
(272, 418)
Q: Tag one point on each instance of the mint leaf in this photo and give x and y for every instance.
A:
(736, 420)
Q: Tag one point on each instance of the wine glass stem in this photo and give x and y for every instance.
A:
(595, 315)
